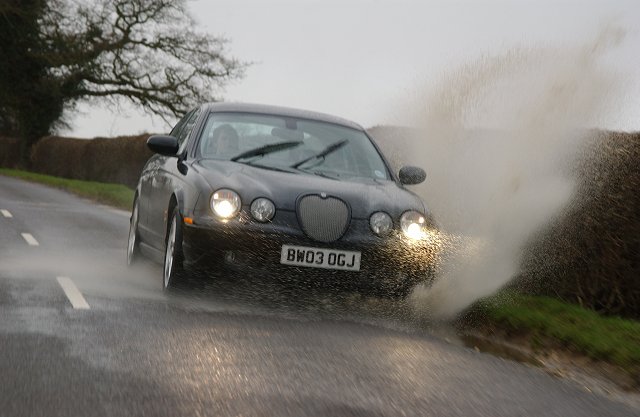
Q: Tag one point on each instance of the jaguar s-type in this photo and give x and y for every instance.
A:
(269, 189)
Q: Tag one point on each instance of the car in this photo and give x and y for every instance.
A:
(270, 189)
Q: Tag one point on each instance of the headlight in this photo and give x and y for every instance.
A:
(413, 225)
(225, 203)
(380, 223)
(262, 209)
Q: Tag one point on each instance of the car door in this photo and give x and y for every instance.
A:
(166, 180)
(151, 170)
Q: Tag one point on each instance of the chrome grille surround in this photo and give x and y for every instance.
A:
(323, 219)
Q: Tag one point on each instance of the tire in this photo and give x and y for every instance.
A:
(173, 268)
(133, 243)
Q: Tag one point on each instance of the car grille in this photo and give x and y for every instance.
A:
(323, 219)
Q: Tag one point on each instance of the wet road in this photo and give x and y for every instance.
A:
(254, 348)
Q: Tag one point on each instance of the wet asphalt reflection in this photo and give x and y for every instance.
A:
(290, 297)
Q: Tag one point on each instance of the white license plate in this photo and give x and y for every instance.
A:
(320, 258)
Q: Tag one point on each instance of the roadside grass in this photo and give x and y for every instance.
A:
(112, 194)
(549, 322)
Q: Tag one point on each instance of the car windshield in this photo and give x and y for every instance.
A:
(312, 146)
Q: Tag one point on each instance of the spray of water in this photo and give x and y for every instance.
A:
(501, 133)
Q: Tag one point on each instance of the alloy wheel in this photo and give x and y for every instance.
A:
(170, 254)
(132, 245)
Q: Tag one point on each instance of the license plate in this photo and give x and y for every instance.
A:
(320, 258)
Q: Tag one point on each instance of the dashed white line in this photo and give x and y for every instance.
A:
(6, 213)
(30, 239)
(73, 293)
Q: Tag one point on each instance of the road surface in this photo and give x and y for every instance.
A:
(82, 335)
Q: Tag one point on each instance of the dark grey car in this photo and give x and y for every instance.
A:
(302, 194)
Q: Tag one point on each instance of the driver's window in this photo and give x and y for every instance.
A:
(183, 136)
(177, 129)
(222, 139)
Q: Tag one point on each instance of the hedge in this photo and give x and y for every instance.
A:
(591, 254)
(113, 160)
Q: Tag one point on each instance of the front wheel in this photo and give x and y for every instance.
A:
(173, 257)
(133, 245)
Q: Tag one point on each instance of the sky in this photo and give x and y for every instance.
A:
(365, 60)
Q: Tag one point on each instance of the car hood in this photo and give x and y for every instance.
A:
(364, 196)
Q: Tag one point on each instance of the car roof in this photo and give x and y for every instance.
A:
(280, 111)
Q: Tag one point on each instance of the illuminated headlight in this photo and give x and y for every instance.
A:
(262, 209)
(413, 225)
(225, 203)
(380, 223)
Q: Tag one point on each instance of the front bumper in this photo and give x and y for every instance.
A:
(393, 261)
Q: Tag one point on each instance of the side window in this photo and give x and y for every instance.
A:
(183, 135)
(175, 132)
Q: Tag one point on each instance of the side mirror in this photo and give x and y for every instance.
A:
(411, 175)
(164, 145)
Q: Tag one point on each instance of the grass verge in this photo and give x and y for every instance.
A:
(549, 322)
(112, 194)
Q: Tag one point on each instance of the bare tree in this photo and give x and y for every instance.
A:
(64, 51)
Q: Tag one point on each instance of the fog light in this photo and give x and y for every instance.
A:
(262, 209)
(380, 223)
(229, 256)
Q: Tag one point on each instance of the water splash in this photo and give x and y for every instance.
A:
(502, 134)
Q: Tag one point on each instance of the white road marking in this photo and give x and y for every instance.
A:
(73, 293)
(6, 213)
(30, 239)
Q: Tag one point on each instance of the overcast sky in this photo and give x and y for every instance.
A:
(363, 59)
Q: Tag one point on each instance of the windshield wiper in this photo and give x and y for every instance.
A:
(266, 149)
(272, 168)
(323, 174)
(322, 154)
